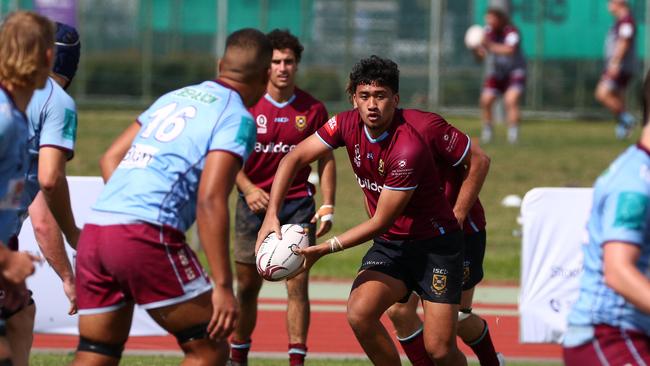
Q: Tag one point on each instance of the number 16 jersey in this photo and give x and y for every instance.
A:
(157, 180)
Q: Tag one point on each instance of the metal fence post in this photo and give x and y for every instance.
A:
(435, 40)
(147, 50)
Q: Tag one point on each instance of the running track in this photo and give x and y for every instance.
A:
(330, 336)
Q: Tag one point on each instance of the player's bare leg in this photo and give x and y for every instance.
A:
(440, 325)
(249, 283)
(188, 321)
(511, 101)
(610, 98)
(20, 327)
(105, 334)
(372, 293)
(408, 327)
(298, 313)
(473, 330)
(486, 101)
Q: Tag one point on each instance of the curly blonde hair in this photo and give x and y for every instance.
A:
(25, 38)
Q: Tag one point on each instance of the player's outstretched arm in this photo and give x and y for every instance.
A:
(306, 152)
(54, 186)
(327, 174)
(48, 237)
(477, 165)
(391, 204)
(212, 218)
(115, 153)
(623, 276)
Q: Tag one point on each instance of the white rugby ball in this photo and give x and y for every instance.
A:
(474, 36)
(277, 259)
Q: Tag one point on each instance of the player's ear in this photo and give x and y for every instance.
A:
(218, 64)
(396, 98)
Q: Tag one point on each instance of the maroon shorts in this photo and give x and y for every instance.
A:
(516, 79)
(148, 264)
(610, 346)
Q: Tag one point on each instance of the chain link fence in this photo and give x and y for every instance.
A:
(134, 50)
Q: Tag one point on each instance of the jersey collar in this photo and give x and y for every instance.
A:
(381, 137)
(227, 86)
(277, 104)
(643, 148)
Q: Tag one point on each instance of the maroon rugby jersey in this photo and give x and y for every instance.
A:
(398, 160)
(449, 147)
(280, 127)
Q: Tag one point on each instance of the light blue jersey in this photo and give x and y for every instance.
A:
(157, 181)
(620, 212)
(13, 163)
(52, 121)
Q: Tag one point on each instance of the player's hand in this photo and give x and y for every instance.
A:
(71, 294)
(326, 216)
(18, 266)
(73, 239)
(269, 225)
(311, 254)
(257, 199)
(224, 313)
(460, 217)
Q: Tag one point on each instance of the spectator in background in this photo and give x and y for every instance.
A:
(619, 66)
(610, 322)
(505, 72)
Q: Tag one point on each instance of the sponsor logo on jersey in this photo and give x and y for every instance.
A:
(331, 126)
(197, 95)
(139, 156)
(366, 183)
(12, 197)
(301, 122)
(70, 125)
(281, 119)
(380, 168)
(261, 123)
(370, 156)
(401, 163)
(274, 148)
(357, 156)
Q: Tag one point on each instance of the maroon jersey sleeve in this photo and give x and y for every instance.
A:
(404, 164)
(448, 144)
(330, 133)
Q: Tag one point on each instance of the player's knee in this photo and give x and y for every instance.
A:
(398, 312)
(104, 349)
(439, 348)
(248, 290)
(357, 318)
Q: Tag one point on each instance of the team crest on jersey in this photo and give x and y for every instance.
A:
(331, 126)
(301, 122)
(380, 168)
(439, 284)
(261, 123)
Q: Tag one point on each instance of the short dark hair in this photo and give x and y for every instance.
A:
(282, 39)
(374, 70)
(646, 99)
(256, 45)
(249, 38)
(500, 13)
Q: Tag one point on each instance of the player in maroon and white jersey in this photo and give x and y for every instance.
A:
(620, 64)
(285, 116)
(417, 240)
(505, 71)
(462, 183)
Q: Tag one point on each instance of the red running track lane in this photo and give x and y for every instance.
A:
(330, 334)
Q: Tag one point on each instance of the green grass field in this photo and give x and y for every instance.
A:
(551, 153)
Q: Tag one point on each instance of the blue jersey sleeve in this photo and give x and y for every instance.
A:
(625, 216)
(235, 132)
(60, 122)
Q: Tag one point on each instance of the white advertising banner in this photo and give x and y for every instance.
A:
(51, 303)
(554, 230)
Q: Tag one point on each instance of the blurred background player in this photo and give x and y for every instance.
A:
(462, 186)
(610, 322)
(175, 164)
(26, 54)
(285, 116)
(417, 240)
(620, 63)
(505, 72)
(52, 120)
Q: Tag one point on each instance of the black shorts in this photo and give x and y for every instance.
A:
(473, 262)
(296, 211)
(433, 268)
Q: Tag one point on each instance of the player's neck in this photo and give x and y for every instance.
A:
(20, 96)
(280, 95)
(644, 140)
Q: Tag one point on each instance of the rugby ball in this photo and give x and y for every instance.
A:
(474, 36)
(277, 259)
